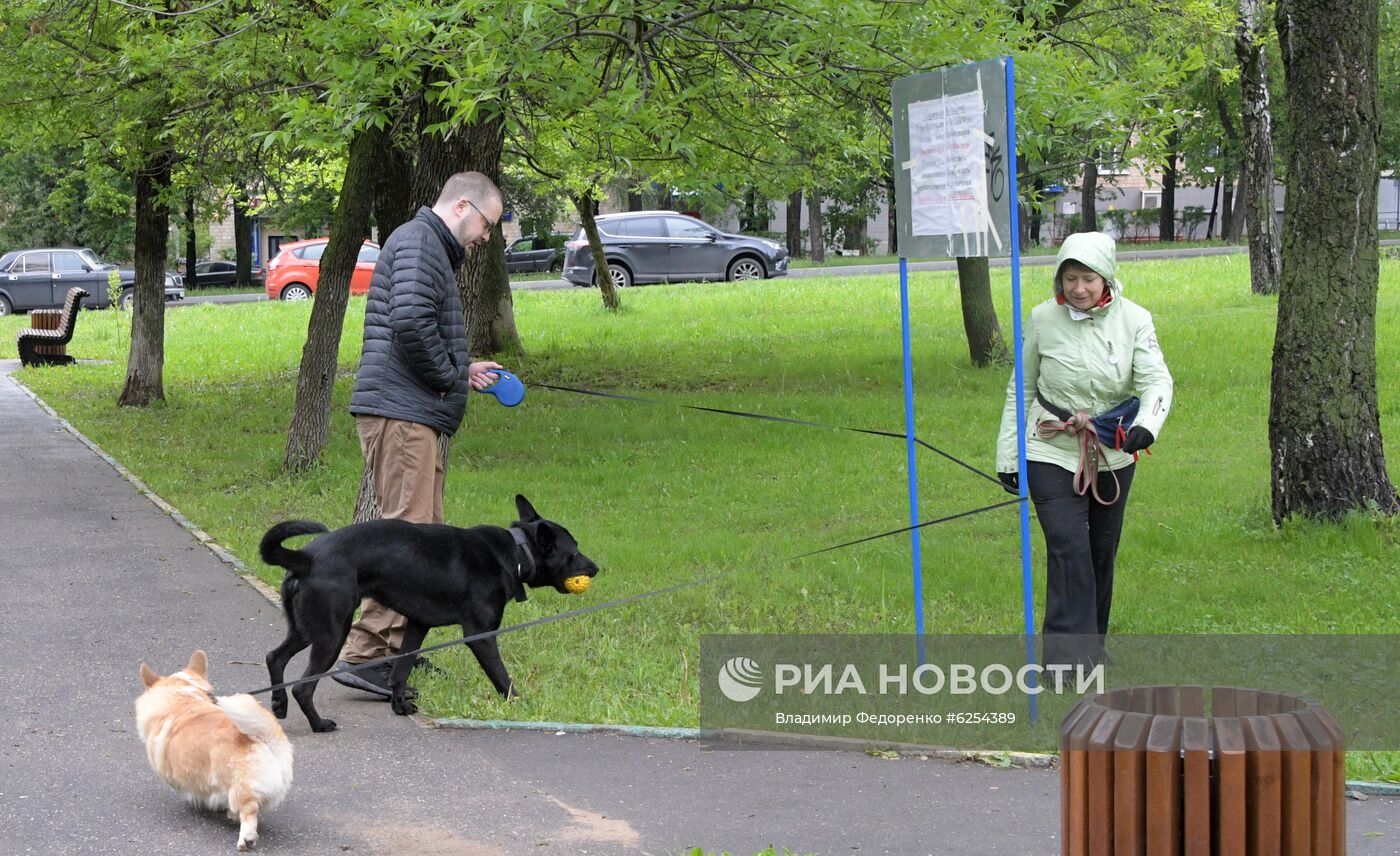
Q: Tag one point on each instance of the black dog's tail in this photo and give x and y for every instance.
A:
(295, 561)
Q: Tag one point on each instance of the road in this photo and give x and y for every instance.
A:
(843, 270)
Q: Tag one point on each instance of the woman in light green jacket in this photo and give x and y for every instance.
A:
(1089, 352)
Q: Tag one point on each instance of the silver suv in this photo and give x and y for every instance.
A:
(667, 246)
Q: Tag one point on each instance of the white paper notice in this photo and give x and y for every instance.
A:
(947, 166)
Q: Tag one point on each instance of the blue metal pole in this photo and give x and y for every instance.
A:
(911, 454)
(1027, 600)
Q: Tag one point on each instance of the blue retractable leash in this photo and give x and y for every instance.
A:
(508, 389)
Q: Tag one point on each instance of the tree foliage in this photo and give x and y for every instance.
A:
(61, 196)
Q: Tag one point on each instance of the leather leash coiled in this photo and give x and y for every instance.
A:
(1091, 454)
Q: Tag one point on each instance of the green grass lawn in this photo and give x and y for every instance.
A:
(658, 495)
(216, 291)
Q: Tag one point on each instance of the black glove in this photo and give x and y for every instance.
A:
(1138, 438)
(1011, 482)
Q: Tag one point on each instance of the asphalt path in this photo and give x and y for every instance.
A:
(104, 579)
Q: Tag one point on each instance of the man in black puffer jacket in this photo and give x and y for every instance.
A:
(413, 380)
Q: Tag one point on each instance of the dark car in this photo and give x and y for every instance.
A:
(40, 278)
(664, 246)
(536, 253)
(222, 275)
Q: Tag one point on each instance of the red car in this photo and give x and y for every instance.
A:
(292, 274)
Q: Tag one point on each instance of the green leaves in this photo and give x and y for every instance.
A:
(764, 95)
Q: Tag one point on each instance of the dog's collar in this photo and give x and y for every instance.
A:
(524, 563)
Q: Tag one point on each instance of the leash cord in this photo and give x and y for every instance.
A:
(572, 613)
(767, 418)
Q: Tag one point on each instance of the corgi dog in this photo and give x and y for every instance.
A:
(224, 753)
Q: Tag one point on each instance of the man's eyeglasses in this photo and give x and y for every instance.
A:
(490, 224)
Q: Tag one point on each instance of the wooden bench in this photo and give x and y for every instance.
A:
(1146, 770)
(47, 319)
(39, 347)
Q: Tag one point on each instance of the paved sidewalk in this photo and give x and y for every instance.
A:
(99, 579)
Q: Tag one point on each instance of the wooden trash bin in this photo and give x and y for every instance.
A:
(47, 319)
(1186, 771)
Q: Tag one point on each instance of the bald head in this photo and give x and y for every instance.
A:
(469, 185)
(471, 205)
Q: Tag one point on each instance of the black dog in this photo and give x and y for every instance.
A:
(432, 574)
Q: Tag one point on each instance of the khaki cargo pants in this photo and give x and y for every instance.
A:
(408, 474)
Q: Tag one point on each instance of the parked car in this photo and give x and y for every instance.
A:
(223, 275)
(39, 278)
(292, 273)
(664, 246)
(534, 253)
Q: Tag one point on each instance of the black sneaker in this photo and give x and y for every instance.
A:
(371, 679)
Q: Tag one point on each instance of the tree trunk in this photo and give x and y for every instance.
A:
(1257, 180)
(1166, 219)
(145, 363)
(663, 198)
(984, 340)
(316, 378)
(1089, 219)
(1230, 225)
(1214, 208)
(1023, 212)
(393, 187)
(891, 216)
(483, 280)
(191, 244)
(634, 201)
(584, 206)
(753, 214)
(814, 227)
(1327, 457)
(794, 224)
(1037, 212)
(1034, 207)
(242, 242)
(856, 235)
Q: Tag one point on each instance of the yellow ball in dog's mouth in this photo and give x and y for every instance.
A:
(577, 585)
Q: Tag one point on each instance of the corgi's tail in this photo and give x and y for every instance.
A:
(273, 553)
(252, 719)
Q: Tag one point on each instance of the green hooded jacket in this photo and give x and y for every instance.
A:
(1088, 361)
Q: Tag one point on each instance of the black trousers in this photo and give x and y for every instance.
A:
(1081, 545)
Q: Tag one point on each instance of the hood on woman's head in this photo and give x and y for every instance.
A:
(1095, 251)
